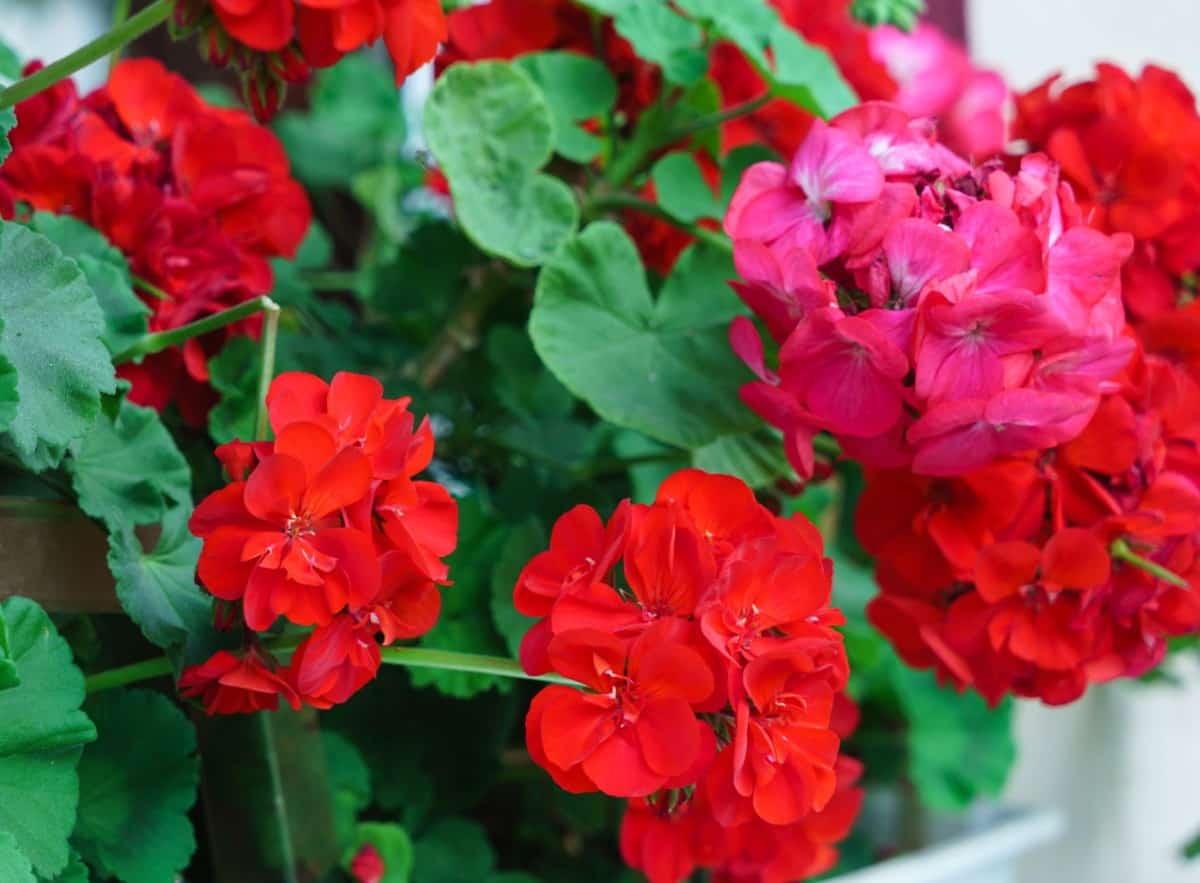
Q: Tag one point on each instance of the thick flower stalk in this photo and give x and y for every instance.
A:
(326, 527)
(198, 198)
(276, 42)
(1041, 574)
(701, 631)
(929, 314)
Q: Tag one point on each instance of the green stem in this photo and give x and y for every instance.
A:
(645, 143)
(150, 288)
(158, 667)
(152, 16)
(267, 370)
(411, 657)
(332, 280)
(827, 446)
(160, 340)
(1121, 550)
(610, 201)
(449, 660)
(459, 334)
(120, 14)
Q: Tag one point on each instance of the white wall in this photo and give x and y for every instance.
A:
(49, 29)
(1029, 39)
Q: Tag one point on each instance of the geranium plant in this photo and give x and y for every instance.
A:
(696, 416)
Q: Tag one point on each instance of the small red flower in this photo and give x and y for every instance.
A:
(231, 684)
(367, 865)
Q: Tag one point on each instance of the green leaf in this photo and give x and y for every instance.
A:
(661, 35)
(75, 872)
(523, 542)
(234, 375)
(1191, 849)
(394, 846)
(747, 23)
(158, 589)
(736, 162)
(126, 470)
(682, 190)
(756, 457)
(9, 676)
(14, 866)
(136, 785)
(958, 748)
(355, 122)
(9, 398)
(491, 130)
(62, 365)
(107, 272)
(577, 89)
(520, 381)
(8, 122)
(662, 367)
(902, 14)
(806, 75)
(453, 850)
(41, 739)
(349, 783)
(10, 63)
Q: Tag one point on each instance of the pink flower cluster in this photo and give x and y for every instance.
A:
(929, 313)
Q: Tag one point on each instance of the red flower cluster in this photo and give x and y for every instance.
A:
(197, 197)
(324, 527)
(1038, 575)
(276, 42)
(701, 631)
(1131, 149)
(938, 80)
(929, 313)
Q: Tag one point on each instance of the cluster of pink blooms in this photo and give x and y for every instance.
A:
(701, 630)
(930, 314)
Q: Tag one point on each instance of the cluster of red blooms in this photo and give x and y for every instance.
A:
(701, 631)
(1042, 573)
(197, 197)
(511, 28)
(1131, 150)
(930, 314)
(276, 42)
(324, 527)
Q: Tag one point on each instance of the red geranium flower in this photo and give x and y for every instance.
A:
(232, 684)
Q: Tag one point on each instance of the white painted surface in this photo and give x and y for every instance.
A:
(986, 856)
(1123, 764)
(49, 29)
(1027, 40)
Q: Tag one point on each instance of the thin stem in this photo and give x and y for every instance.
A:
(160, 340)
(158, 667)
(460, 333)
(332, 280)
(827, 446)
(150, 288)
(645, 144)
(1121, 550)
(449, 660)
(120, 13)
(610, 201)
(267, 369)
(411, 657)
(152, 16)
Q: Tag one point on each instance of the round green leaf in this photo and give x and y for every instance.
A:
(662, 367)
(349, 784)
(682, 190)
(491, 130)
(158, 589)
(41, 737)
(757, 458)
(8, 121)
(14, 867)
(126, 470)
(9, 397)
(523, 542)
(806, 74)
(453, 850)
(661, 35)
(52, 337)
(136, 785)
(576, 88)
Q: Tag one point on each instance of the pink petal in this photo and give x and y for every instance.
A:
(919, 252)
(832, 165)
